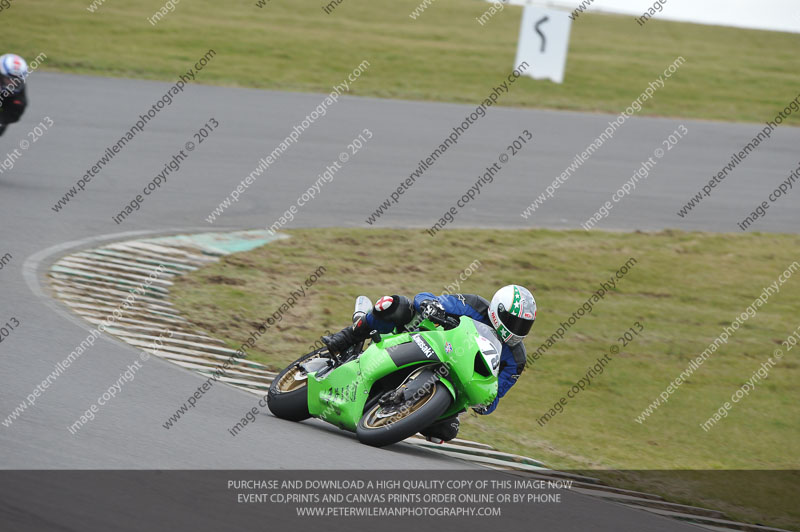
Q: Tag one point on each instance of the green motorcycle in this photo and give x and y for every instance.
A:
(401, 384)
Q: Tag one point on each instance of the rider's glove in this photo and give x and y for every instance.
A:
(431, 308)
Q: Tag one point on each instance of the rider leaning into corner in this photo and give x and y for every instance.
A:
(13, 71)
(511, 313)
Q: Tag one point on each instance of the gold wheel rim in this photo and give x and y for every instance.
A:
(289, 382)
(372, 421)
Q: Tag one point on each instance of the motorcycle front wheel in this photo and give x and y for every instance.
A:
(386, 424)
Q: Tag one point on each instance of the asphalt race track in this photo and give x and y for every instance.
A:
(90, 113)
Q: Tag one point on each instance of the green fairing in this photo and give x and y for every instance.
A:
(340, 395)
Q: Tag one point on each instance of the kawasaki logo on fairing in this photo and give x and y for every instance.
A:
(424, 347)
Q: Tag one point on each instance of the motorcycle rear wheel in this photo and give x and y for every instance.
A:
(288, 394)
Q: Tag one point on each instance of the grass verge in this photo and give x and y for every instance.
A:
(683, 288)
(445, 55)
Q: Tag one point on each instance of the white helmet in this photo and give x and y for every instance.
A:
(13, 65)
(512, 312)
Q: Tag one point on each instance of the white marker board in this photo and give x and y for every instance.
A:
(544, 42)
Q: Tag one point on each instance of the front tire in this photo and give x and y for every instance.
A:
(288, 394)
(381, 426)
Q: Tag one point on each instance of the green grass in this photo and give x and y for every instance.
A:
(729, 74)
(684, 289)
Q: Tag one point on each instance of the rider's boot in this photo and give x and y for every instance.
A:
(349, 336)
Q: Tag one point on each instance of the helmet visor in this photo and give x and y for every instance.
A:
(515, 324)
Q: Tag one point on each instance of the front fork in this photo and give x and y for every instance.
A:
(417, 384)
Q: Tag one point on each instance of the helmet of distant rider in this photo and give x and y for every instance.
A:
(512, 313)
(14, 66)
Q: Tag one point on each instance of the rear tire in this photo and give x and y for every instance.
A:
(377, 431)
(288, 396)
